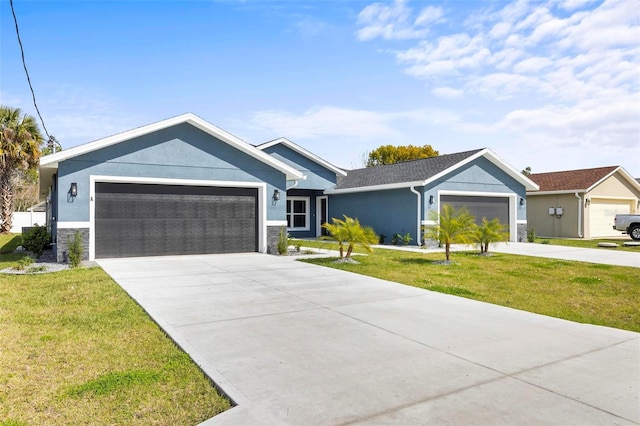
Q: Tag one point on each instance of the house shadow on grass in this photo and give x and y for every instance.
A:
(422, 261)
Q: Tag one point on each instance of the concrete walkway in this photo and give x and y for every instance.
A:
(298, 344)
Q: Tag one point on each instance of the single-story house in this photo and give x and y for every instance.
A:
(178, 186)
(581, 203)
(399, 198)
(185, 186)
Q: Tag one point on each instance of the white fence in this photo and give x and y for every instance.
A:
(21, 219)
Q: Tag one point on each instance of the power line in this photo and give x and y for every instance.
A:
(26, 71)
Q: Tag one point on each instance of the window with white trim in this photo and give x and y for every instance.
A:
(297, 213)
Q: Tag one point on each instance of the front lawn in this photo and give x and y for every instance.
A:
(582, 292)
(567, 242)
(76, 349)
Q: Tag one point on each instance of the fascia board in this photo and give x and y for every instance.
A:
(564, 191)
(528, 183)
(624, 174)
(375, 188)
(311, 156)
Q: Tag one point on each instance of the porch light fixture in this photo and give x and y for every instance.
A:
(521, 201)
(73, 191)
(276, 195)
(587, 202)
(430, 199)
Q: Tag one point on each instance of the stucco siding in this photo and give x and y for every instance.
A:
(614, 187)
(387, 212)
(179, 152)
(481, 176)
(317, 176)
(546, 225)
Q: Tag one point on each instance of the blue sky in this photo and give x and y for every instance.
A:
(554, 85)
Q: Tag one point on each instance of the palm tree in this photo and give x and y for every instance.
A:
(452, 227)
(349, 231)
(491, 231)
(20, 141)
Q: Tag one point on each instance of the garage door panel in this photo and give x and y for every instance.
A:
(479, 207)
(149, 220)
(602, 213)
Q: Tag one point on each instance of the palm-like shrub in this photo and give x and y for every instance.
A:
(452, 227)
(349, 232)
(491, 231)
(20, 141)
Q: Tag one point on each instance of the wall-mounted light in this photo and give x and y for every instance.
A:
(587, 202)
(430, 199)
(521, 201)
(73, 191)
(276, 195)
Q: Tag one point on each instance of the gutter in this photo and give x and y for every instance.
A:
(579, 214)
(412, 189)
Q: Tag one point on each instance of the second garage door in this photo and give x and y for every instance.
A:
(602, 213)
(157, 220)
(479, 207)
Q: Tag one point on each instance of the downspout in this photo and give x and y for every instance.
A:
(295, 183)
(579, 214)
(418, 236)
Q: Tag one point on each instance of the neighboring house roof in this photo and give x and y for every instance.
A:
(419, 172)
(297, 148)
(582, 180)
(51, 161)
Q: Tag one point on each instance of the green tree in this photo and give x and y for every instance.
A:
(452, 227)
(350, 232)
(491, 231)
(389, 154)
(20, 142)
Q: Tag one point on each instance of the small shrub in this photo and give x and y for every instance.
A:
(381, 239)
(36, 269)
(283, 241)
(75, 250)
(395, 240)
(406, 239)
(531, 235)
(36, 240)
(23, 263)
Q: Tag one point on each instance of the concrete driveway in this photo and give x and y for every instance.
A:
(293, 343)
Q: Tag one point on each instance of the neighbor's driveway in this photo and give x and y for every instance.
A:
(294, 343)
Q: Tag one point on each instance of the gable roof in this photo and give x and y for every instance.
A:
(300, 150)
(581, 180)
(51, 161)
(419, 172)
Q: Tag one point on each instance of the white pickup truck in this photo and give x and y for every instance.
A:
(629, 223)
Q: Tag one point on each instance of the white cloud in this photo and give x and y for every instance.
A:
(394, 22)
(557, 72)
(448, 92)
(324, 121)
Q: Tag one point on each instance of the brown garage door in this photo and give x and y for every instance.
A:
(158, 220)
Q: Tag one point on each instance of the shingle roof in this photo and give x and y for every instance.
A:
(571, 180)
(408, 171)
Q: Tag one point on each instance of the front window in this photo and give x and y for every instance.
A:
(297, 213)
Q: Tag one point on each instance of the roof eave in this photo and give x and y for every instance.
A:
(311, 156)
(52, 160)
(371, 188)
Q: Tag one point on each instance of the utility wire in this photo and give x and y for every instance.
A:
(24, 64)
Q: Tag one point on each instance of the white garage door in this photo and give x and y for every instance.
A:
(601, 214)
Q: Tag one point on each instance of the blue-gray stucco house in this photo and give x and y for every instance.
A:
(185, 186)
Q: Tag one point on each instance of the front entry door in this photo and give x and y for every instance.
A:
(322, 214)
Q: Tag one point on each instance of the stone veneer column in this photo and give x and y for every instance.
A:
(65, 237)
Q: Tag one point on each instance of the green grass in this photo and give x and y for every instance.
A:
(77, 350)
(589, 243)
(9, 242)
(583, 292)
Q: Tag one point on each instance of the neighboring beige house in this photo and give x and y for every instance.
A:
(581, 203)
